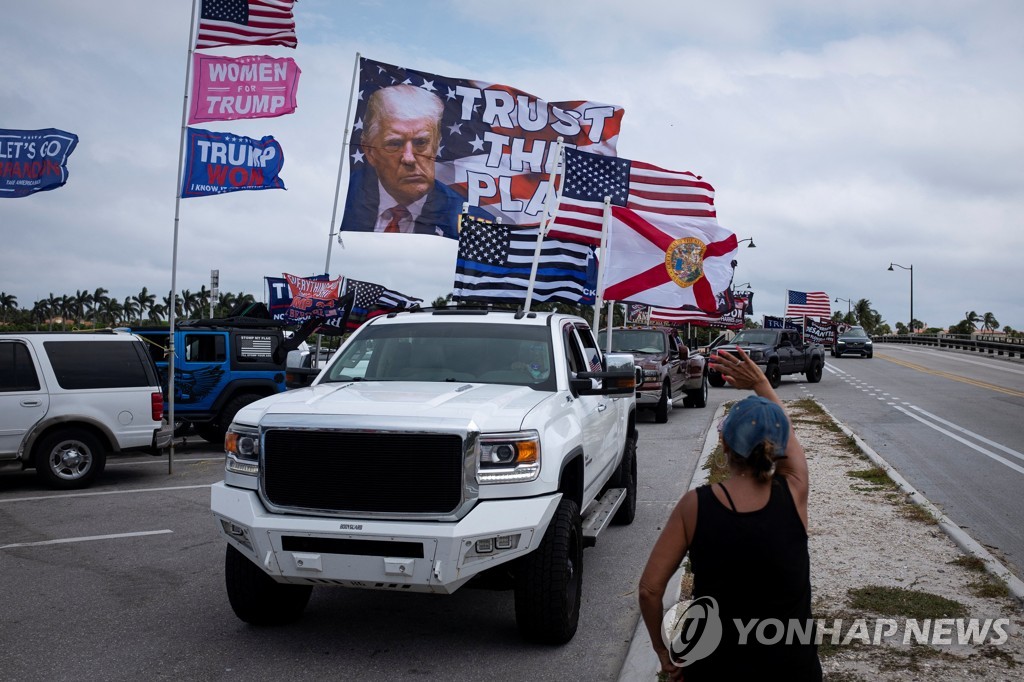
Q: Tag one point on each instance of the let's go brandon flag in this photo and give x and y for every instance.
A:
(34, 160)
(216, 163)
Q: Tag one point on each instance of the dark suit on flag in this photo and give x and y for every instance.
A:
(440, 214)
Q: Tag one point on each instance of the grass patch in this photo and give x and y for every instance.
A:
(971, 563)
(717, 466)
(916, 512)
(911, 658)
(899, 601)
(989, 587)
(874, 478)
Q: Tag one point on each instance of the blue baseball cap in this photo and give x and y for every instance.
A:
(752, 421)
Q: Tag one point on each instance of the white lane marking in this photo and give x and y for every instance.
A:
(966, 442)
(986, 441)
(954, 356)
(105, 492)
(86, 538)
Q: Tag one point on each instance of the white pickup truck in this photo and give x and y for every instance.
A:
(437, 447)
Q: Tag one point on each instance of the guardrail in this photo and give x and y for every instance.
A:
(980, 343)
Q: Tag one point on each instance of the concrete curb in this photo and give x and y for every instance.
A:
(962, 540)
(641, 663)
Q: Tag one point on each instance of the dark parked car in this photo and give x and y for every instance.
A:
(853, 340)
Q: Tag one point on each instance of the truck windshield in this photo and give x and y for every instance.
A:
(749, 336)
(634, 341)
(518, 355)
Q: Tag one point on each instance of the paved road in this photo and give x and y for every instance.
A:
(950, 423)
(127, 577)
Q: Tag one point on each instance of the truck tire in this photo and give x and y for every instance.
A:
(716, 380)
(698, 397)
(774, 374)
(69, 458)
(257, 598)
(661, 409)
(210, 432)
(218, 427)
(814, 371)
(625, 477)
(181, 427)
(549, 580)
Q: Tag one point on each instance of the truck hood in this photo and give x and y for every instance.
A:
(490, 406)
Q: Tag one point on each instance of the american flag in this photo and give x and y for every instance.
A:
(370, 300)
(635, 185)
(246, 22)
(808, 304)
(495, 261)
(595, 363)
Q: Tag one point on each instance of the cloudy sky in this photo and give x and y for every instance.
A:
(841, 136)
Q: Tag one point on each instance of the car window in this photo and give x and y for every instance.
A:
(17, 371)
(634, 341)
(100, 364)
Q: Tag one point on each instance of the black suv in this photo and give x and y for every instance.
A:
(853, 340)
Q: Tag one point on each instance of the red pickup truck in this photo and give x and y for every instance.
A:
(671, 370)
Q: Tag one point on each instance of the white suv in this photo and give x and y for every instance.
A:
(69, 399)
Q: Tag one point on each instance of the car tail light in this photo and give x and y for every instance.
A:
(157, 402)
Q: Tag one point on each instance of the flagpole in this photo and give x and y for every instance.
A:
(545, 221)
(599, 295)
(337, 189)
(172, 353)
(341, 166)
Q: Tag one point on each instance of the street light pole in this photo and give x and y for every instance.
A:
(910, 324)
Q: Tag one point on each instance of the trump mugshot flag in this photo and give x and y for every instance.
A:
(495, 150)
(667, 261)
(34, 160)
(216, 163)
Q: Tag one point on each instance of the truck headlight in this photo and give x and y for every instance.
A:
(509, 457)
(242, 450)
(756, 355)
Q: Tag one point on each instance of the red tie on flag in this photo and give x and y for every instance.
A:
(398, 214)
(246, 22)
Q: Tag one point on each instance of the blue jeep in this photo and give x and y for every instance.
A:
(221, 367)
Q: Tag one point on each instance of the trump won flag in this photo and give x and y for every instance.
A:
(666, 260)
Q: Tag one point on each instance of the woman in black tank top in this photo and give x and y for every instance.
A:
(747, 542)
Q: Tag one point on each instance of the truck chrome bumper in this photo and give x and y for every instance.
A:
(370, 554)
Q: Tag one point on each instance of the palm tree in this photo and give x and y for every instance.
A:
(129, 308)
(111, 310)
(866, 316)
(99, 300)
(189, 302)
(83, 299)
(40, 311)
(225, 302)
(146, 301)
(177, 304)
(8, 302)
(972, 318)
(989, 322)
(156, 313)
(203, 301)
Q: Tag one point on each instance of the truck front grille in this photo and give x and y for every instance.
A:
(344, 471)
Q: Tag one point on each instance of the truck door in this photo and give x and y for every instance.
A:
(601, 430)
(677, 365)
(201, 368)
(23, 397)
